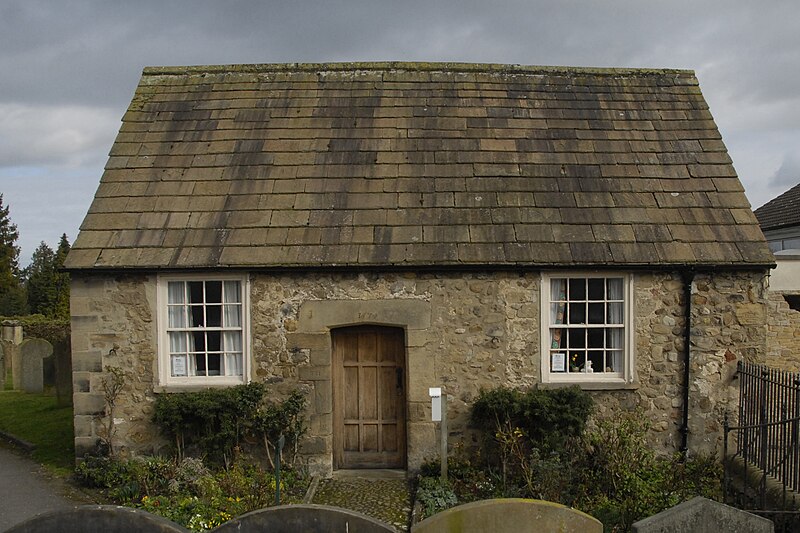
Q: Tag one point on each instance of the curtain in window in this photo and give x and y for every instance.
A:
(232, 318)
(232, 309)
(615, 316)
(176, 294)
(558, 291)
(232, 345)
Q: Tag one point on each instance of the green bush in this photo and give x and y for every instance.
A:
(625, 480)
(547, 418)
(213, 423)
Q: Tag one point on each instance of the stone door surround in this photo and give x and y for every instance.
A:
(316, 320)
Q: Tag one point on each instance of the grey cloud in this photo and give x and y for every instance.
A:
(788, 175)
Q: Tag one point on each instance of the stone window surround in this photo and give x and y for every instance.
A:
(595, 381)
(165, 381)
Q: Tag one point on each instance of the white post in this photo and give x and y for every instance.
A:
(443, 428)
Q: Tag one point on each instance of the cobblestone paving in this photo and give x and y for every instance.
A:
(387, 500)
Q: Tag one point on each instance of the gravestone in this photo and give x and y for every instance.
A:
(701, 515)
(509, 515)
(62, 355)
(87, 518)
(307, 518)
(32, 353)
(10, 339)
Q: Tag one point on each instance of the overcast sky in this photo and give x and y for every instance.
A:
(69, 69)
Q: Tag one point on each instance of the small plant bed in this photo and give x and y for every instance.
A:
(538, 444)
(187, 491)
(36, 418)
(240, 433)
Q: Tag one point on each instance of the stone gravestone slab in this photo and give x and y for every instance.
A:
(32, 353)
(11, 338)
(14, 357)
(701, 515)
(509, 515)
(62, 353)
(2, 366)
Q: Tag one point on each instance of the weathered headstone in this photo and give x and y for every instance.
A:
(32, 353)
(62, 354)
(701, 515)
(509, 515)
(307, 518)
(12, 331)
(10, 339)
(88, 518)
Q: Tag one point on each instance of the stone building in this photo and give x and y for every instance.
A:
(780, 221)
(367, 231)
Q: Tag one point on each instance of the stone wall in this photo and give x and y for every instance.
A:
(464, 331)
(783, 335)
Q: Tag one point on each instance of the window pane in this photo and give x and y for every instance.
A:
(177, 342)
(176, 292)
(596, 338)
(577, 361)
(179, 365)
(596, 362)
(200, 364)
(213, 316)
(597, 313)
(232, 292)
(232, 341)
(577, 289)
(615, 313)
(576, 338)
(197, 316)
(199, 340)
(195, 292)
(557, 296)
(213, 292)
(577, 313)
(213, 338)
(556, 338)
(177, 316)
(596, 289)
(232, 316)
(233, 364)
(214, 364)
(614, 289)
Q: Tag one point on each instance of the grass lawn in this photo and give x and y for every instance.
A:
(37, 419)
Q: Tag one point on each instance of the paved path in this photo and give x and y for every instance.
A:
(387, 500)
(26, 490)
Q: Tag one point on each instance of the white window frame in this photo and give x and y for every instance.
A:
(164, 363)
(597, 379)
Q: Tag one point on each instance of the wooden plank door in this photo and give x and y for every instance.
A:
(369, 428)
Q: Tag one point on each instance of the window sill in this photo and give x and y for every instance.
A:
(590, 385)
(194, 387)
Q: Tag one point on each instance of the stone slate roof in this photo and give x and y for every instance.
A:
(782, 211)
(417, 165)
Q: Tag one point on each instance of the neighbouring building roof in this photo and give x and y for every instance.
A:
(418, 165)
(780, 212)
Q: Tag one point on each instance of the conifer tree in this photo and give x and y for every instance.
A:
(62, 279)
(41, 281)
(12, 293)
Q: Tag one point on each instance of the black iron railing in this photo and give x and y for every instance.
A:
(765, 448)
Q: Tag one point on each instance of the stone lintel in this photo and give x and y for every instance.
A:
(320, 316)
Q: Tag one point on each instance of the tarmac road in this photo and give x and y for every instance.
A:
(26, 490)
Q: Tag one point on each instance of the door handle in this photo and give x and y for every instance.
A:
(399, 374)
